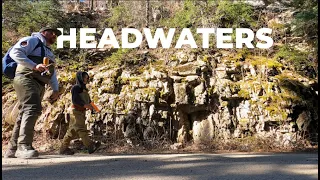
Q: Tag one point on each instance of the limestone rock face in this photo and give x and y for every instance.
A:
(303, 121)
(201, 98)
(180, 91)
(203, 129)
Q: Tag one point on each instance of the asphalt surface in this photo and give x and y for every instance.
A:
(239, 166)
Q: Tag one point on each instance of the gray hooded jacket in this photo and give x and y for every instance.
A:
(25, 47)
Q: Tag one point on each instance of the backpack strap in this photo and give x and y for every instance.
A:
(40, 44)
(38, 59)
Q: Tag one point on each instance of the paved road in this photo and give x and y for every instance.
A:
(240, 166)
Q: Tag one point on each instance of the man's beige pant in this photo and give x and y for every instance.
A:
(29, 93)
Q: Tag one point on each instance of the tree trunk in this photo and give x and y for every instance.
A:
(147, 12)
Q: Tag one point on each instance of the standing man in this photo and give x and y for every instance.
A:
(29, 83)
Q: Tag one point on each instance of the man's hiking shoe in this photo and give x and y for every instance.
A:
(66, 151)
(10, 153)
(26, 152)
(94, 147)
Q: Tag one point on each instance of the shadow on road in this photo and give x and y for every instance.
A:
(174, 166)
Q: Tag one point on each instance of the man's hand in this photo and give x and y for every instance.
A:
(40, 68)
(88, 106)
(54, 96)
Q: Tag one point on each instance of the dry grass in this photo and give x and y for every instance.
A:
(252, 144)
(46, 145)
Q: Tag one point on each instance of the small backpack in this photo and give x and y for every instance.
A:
(9, 65)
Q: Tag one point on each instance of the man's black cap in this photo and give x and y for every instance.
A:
(55, 30)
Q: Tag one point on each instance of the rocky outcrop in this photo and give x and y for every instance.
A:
(204, 97)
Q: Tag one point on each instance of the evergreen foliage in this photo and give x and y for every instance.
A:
(21, 18)
(234, 15)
